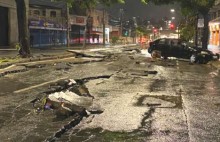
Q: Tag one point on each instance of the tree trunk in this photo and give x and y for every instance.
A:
(196, 30)
(68, 27)
(23, 28)
(205, 34)
(84, 37)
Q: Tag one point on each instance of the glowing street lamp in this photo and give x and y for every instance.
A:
(172, 10)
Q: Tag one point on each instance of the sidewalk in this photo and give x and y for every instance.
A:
(13, 53)
(9, 56)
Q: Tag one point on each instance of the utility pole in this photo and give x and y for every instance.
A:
(68, 28)
(121, 12)
(84, 34)
(196, 30)
(103, 22)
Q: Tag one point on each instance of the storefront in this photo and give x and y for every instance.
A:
(47, 33)
(77, 29)
(214, 32)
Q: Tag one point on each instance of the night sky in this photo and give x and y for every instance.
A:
(134, 8)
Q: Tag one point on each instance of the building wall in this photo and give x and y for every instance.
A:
(12, 16)
(47, 12)
(97, 16)
(45, 29)
(214, 24)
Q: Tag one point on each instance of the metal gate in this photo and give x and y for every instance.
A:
(3, 26)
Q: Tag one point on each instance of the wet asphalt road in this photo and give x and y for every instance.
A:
(179, 103)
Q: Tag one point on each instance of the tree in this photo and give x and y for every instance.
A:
(201, 7)
(23, 28)
(88, 4)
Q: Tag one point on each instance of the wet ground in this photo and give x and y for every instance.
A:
(142, 100)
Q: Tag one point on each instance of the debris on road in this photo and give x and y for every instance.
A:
(151, 72)
(62, 66)
(66, 97)
(12, 69)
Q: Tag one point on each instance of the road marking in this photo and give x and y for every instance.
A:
(39, 85)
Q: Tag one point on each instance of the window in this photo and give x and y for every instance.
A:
(218, 13)
(162, 41)
(44, 12)
(98, 19)
(53, 14)
(36, 12)
(214, 15)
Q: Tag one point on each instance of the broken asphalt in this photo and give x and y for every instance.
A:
(10, 62)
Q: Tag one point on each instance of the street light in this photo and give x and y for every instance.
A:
(172, 10)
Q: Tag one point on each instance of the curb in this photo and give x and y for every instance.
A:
(4, 65)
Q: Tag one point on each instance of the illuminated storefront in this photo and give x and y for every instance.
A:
(214, 32)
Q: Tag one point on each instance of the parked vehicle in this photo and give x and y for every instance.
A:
(168, 47)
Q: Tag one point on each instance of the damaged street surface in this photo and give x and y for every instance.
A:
(110, 95)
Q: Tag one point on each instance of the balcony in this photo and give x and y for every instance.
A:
(57, 20)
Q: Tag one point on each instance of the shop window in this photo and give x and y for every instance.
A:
(37, 12)
(53, 14)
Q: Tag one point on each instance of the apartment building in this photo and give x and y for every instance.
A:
(47, 23)
(214, 24)
(9, 23)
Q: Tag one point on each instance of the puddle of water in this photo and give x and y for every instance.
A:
(157, 85)
(173, 99)
(98, 134)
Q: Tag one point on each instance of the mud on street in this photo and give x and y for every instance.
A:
(132, 98)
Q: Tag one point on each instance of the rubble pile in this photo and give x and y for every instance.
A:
(65, 98)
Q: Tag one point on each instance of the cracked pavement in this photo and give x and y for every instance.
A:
(142, 99)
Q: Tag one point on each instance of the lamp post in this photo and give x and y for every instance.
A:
(103, 22)
(121, 15)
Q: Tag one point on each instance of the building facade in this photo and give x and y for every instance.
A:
(93, 21)
(8, 26)
(214, 24)
(47, 23)
(77, 25)
(97, 29)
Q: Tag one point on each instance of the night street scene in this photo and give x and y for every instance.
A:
(109, 71)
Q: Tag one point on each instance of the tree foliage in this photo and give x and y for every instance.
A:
(23, 28)
(193, 7)
(140, 30)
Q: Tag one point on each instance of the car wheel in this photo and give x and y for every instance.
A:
(202, 60)
(155, 54)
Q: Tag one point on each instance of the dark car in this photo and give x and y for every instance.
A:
(169, 47)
